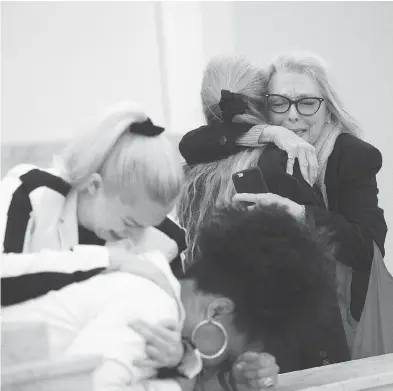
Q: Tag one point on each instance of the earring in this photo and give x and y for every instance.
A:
(222, 329)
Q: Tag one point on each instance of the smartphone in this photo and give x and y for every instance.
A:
(250, 181)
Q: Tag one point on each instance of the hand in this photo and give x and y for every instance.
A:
(120, 253)
(255, 371)
(295, 147)
(155, 240)
(164, 345)
(292, 207)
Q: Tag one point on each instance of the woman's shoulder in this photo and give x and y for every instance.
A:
(351, 151)
(32, 177)
(272, 158)
(350, 144)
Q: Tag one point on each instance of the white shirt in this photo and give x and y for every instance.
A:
(92, 317)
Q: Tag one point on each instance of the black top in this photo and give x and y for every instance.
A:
(327, 342)
(354, 216)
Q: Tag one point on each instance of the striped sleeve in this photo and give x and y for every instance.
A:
(83, 258)
(14, 200)
(177, 233)
(252, 137)
(28, 275)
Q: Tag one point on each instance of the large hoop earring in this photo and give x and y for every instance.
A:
(218, 325)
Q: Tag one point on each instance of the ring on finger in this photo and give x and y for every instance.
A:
(267, 382)
(305, 164)
(291, 157)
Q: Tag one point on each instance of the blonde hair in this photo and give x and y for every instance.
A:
(123, 159)
(314, 66)
(209, 185)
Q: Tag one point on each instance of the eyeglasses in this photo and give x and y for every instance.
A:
(305, 106)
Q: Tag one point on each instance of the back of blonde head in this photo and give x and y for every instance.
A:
(124, 159)
(210, 185)
(309, 63)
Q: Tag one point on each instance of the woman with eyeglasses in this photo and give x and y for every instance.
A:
(307, 119)
(232, 101)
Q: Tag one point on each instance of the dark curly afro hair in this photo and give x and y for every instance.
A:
(276, 270)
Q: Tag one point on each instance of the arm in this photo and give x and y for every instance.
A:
(273, 163)
(26, 276)
(16, 207)
(108, 334)
(217, 141)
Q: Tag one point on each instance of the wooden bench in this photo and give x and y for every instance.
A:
(373, 373)
(63, 374)
(26, 365)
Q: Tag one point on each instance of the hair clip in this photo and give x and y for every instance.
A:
(231, 104)
(145, 128)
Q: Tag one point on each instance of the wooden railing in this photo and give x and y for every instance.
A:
(26, 366)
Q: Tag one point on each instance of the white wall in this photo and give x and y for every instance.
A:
(65, 61)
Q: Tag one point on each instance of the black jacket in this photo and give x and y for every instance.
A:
(325, 342)
(354, 214)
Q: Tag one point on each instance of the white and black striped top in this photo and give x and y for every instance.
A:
(18, 193)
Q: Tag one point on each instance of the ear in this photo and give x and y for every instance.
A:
(93, 184)
(220, 307)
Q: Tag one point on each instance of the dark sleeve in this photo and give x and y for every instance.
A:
(356, 219)
(273, 162)
(20, 288)
(175, 232)
(15, 290)
(212, 142)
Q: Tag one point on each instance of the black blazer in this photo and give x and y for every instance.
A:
(353, 213)
(354, 216)
(326, 341)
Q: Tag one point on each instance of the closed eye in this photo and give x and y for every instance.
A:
(131, 223)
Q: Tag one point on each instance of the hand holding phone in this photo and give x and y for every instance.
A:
(250, 181)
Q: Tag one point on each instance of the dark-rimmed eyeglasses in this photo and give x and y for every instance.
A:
(281, 104)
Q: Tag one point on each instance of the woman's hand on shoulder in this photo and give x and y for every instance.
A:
(296, 148)
(255, 371)
(164, 347)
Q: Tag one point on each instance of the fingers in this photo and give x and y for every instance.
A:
(312, 166)
(167, 330)
(263, 383)
(147, 363)
(259, 373)
(245, 197)
(290, 163)
(258, 369)
(304, 164)
(159, 338)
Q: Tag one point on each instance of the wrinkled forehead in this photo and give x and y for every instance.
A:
(294, 85)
